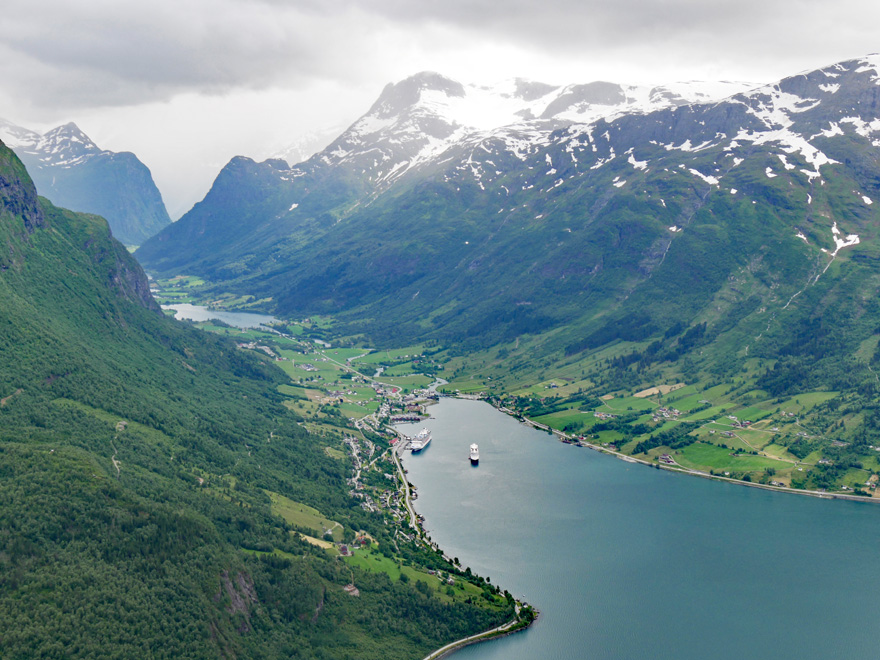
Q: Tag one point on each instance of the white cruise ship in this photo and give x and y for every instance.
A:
(475, 454)
(422, 439)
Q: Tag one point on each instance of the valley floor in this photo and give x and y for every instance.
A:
(724, 429)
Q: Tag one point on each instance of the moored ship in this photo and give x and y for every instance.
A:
(475, 454)
(420, 441)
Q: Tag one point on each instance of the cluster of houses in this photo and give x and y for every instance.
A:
(407, 417)
(665, 413)
(341, 393)
(449, 579)
(254, 346)
(740, 424)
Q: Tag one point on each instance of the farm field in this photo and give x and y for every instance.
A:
(702, 455)
(304, 516)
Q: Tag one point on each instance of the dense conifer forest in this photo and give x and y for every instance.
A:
(137, 458)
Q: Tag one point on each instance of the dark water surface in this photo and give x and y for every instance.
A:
(625, 561)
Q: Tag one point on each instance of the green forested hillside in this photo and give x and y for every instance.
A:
(137, 458)
(620, 229)
(728, 245)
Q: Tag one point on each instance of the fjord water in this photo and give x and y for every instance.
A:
(626, 562)
(199, 313)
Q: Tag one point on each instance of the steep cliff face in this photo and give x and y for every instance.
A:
(65, 243)
(18, 196)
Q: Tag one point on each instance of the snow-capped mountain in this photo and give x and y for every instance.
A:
(17, 137)
(64, 146)
(415, 121)
(73, 172)
(415, 125)
(482, 213)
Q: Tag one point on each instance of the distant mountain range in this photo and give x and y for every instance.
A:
(586, 214)
(73, 172)
(414, 125)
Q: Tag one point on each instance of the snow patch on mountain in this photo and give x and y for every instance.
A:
(832, 130)
(870, 63)
(637, 164)
(485, 107)
(785, 162)
(862, 127)
(711, 180)
(840, 241)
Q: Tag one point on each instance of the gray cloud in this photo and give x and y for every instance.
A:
(748, 35)
(119, 52)
(97, 53)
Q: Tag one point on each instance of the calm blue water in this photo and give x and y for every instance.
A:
(236, 319)
(629, 562)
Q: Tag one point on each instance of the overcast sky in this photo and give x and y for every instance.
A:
(187, 84)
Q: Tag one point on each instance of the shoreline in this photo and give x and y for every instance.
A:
(561, 436)
(515, 625)
(504, 630)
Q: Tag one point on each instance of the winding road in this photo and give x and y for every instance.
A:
(407, 500)
(465, 641)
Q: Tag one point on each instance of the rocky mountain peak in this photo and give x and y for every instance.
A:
(396, 98)
(73, 172)
(65, 144)
(529, 90)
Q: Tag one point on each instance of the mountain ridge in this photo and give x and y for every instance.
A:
(595, 211)
(72, 171)
(386, 143)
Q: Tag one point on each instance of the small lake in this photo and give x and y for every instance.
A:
(628, 562)
(242, 320)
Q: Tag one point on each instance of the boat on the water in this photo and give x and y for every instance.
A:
(420, 441)
(475, 454)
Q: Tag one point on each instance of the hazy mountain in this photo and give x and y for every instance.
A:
(75, 173)
(305, 146)
(414, 125)
(750, 220)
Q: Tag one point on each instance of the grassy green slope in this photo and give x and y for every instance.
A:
(136, 460)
